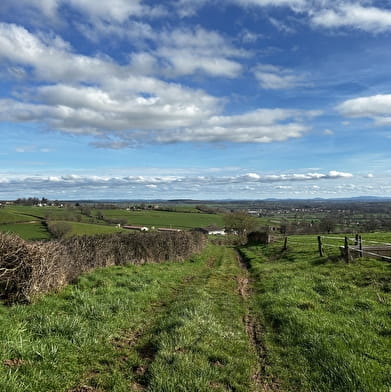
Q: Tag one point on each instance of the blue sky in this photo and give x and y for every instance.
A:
(204, 99)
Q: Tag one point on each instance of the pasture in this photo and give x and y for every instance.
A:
(180, 220)
(29, 221)
(327, 323)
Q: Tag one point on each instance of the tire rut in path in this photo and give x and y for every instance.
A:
(263, 382)
(146, 349)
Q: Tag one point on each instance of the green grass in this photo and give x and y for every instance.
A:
(78, 228)
(51, 213)
(327, 323)
(12, 217)
(165, 327)
(28, 231)
(165, 219)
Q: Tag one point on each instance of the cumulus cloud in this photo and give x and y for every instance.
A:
(51, 57)
(114, 11)
(207, 183)
(376, 107)
(272, 3)
(96, 96)
(356, 16)
(329, 14)
(273, 77)
(187, 51)
(153, 182)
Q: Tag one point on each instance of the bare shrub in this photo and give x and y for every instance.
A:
(59, 229)
(27, 269)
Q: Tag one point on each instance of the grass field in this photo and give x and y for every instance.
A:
(95, 333)
(78, 228)
(35, 230)
(327, 323)
(180, 220)
(12, 217)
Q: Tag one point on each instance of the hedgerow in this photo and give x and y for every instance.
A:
(28, 270)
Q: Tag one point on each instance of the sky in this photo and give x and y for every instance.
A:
(195, 99)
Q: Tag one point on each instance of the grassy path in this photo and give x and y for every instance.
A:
(264, 381)
(165, 327)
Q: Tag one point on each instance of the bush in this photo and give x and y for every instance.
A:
(59, 229)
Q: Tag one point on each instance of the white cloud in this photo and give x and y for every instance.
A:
(376, 107)
(175, 115)
(272, 3)
(184, 183)
(351, 15)
(273, 77)
(248, 37)
(74, 180)
(51, 58)
(328, 132)
(330, 14)
(280, 26)
(116, 11)
(124, 107)
(187, 51)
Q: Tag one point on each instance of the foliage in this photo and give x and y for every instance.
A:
(240, 222)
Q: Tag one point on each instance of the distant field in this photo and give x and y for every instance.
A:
(28, 222)
(91, 229)
(7, 216)
(28, 231)
(165, 219)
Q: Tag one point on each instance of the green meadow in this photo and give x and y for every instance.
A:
(182, 220)
(327, 324)
(29, 222)
(35, 230)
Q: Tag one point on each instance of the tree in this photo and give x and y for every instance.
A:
(327, 224)
(240, 222)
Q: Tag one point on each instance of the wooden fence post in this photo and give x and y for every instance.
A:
(347, 250)
(285, 247)
(360, 245)
(320, 246)
(356, 240)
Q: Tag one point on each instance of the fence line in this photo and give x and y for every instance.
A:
(376, 242)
